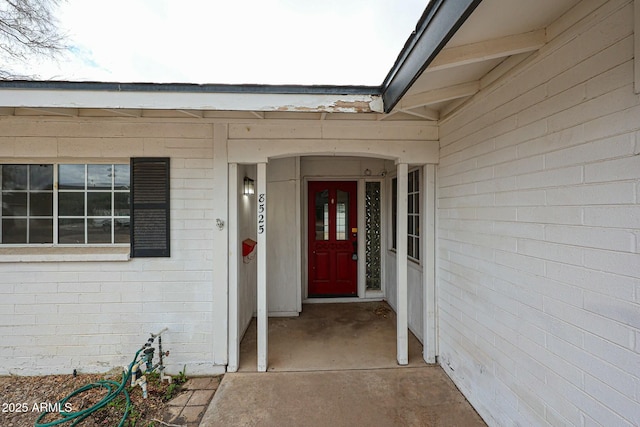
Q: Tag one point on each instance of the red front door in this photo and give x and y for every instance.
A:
(333, 237)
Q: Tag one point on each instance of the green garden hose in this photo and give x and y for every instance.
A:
(114, 389)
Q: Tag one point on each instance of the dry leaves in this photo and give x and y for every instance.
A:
(23, 399)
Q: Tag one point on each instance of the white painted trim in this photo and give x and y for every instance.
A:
(428, 264)
(62, 254)
(340, 300)
(636, 42)
(401, 260)
(284, 314)
(102, 99)
(304, 258)
(234, 307)
(405, 151)
(368, 295)
(362, 267)
(220, 283)
(299, 243)
(488, 49)
(362, 294)
(262, 318)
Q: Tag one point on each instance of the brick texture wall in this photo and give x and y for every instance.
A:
(93, 316)
(539, 228)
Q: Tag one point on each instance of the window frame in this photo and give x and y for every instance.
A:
(55, 218)
(415, 213)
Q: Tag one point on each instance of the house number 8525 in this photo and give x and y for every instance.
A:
(261, 213)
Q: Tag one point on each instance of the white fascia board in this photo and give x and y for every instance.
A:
(305, 102)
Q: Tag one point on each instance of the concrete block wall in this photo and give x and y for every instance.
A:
(92, 316)
(538, 232)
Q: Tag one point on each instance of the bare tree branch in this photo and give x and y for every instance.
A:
(29, 28)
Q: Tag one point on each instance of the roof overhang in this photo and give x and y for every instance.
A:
(55, 94)
(438, 24)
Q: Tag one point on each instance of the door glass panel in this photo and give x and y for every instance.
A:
(342, 215)
(372, 238)
(322, 215)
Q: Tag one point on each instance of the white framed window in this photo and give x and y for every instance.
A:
(413, 214)
(61, 204)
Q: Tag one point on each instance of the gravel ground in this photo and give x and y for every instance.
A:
(24, 399)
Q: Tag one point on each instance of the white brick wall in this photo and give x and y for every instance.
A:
(539, 225)
(93, 316)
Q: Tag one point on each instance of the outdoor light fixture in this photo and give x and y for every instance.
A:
(249, 187)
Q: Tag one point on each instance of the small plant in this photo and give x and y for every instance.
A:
(181, 378)
(174, 388)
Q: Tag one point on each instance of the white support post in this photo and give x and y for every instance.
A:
(636, 44)
(234, 320)
(262, 320)
(428, 251)
(401, 259)
(220, 263)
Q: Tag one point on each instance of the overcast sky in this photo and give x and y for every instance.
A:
(350, 42)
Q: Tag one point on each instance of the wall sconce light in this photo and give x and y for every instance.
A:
(249, 187)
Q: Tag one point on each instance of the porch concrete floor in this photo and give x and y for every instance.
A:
(328, 337)
(335, 366)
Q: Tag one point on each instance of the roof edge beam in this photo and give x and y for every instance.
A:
(439, 95)
(438, 24)
(153, 100)
(488, 49)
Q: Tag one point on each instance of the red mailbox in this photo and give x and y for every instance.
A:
(248, 245)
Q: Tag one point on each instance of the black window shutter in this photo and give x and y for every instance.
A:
(150, 207)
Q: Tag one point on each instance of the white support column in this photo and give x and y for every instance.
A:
(220, 263)
(262, 321)
(401, 259)
(234, 327)
(428, 251)
(636, 43)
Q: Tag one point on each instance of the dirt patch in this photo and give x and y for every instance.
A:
(24, 399)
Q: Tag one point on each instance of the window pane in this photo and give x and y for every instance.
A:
(14, 230)
(41, 204)
(410, 246)
(410, 224)
(121, 201)
(372, 239)
(98, 204)
(99, 230)
(394, 211)
(71, 204)
(342, 215)
(121, 231)
(41, 231)
(322, 215)
(14, 204)
(99, 177)
(122, 180)
(71, 177)
(14, 177)
(41, 177)
(71, 231)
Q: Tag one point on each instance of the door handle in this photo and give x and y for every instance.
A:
(354, 255)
